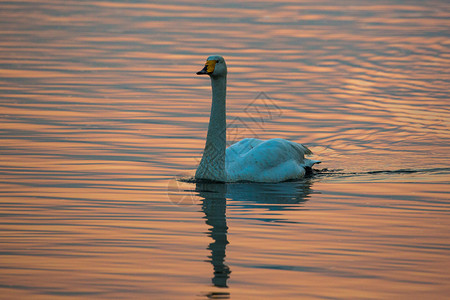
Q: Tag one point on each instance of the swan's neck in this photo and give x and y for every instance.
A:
(212, 165)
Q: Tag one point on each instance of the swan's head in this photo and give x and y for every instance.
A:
(215, 66)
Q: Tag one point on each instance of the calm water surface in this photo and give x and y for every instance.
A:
(101, 112)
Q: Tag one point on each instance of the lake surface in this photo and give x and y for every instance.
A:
(101, 112)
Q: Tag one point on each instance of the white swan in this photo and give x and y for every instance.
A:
(251, 159)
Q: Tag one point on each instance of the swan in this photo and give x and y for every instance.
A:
(250, 159)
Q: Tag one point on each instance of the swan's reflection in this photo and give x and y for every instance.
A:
(214, 206)
(271, 196)
(214, 197)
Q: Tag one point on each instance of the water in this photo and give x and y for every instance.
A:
(101, 111)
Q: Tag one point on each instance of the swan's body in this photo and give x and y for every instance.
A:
(251, 159)
(274, 160)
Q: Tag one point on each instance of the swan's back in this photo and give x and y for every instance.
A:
(274, 160)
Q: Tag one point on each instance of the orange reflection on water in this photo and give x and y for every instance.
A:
(101, 108)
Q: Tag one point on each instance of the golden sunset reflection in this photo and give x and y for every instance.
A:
(103, 119)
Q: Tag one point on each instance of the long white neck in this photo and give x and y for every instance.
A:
(212, 165)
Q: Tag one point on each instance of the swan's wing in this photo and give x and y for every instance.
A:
(305, 149)
(269, 161)
(241, 148)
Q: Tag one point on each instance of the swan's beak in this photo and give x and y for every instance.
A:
(209, 67)
(203, 71)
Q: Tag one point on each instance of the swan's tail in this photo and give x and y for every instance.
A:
(308, 165)
(303, 150)
(311, 162)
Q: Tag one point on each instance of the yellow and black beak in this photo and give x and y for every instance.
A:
(209, 67)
